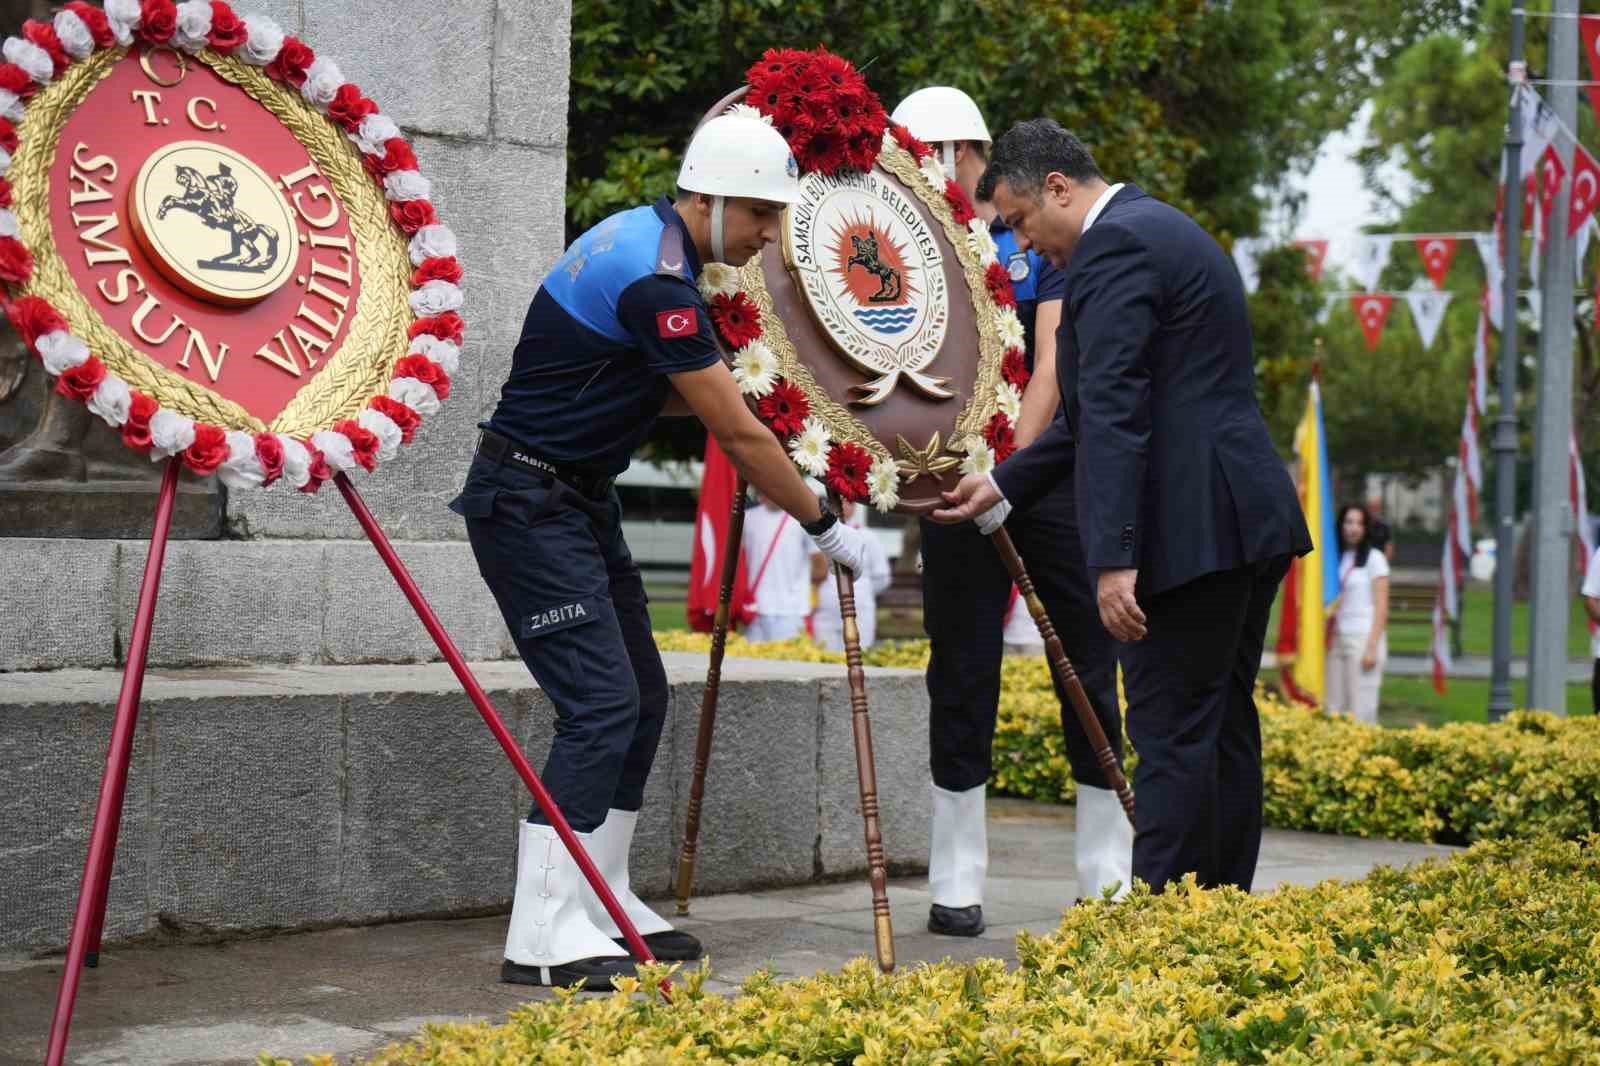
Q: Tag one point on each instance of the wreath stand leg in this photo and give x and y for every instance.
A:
(1061, 667)
(866, 767)
(83, 947)
(708, 697)
(480, 700)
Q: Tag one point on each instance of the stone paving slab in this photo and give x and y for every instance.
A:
(349, 992)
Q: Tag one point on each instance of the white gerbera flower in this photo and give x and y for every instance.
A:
(883, 483)
(719, 279)
(746, 111)
(755, 369)
(1009, 398)
(981, 243)
(980, 457)
(809, 450)
(1011, 332)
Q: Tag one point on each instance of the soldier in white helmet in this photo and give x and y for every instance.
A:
(966, 591)
(617, 335)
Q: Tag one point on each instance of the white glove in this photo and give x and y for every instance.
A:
(994, 517)
(846, 545)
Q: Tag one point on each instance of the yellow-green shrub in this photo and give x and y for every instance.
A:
(1490, 957)
(1458, 783)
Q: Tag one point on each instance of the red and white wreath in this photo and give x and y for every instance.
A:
(421, 379)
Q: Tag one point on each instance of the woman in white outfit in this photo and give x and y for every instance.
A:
(1358, 645)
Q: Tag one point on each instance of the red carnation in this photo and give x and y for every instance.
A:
(16, 262)
(158, 21)
(79, 382)
(903, 137)
(1000, 435)
(209, 450)
(5, 193)
(1014, 368)
(784, 409)
(291, 62)
(8, 136)
(44, 35)
(319, 469)
(269, 453)
(17, 81)
(349, 107)
(999, 285)
(33, 317)
(447, 327)
(426, 371)
(960, 206)
(438, 268)
(412, 215)
(363, 440)
(228, 30)
(95, 19)
(848, 465)
(136, 430)
(401, 415)
(397, 155)
(736, 319)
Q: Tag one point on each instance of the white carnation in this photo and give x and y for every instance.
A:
(194, 25)
(336, 449)
(241, 469)
(406, 185)
(8, 220)
(435, 297)
(417, 395)
(980, 457)
(431, 242)
(1009, 398)
(809, 449)
(755, 369)
(123, 15)
(112, 400)
(373, 131)
(170, 433)
(981, 243)
(933, 172)
(382, 426)
(746, 111)
(883, 483)
(30, 57)
(445, 353)
(10, 105)
(719, 279)
(60, 351)
(1010, 329)
(263, 42)
(296, 461)
(75, 35)
(322, 81)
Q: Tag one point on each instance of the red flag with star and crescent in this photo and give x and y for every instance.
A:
(1585, 190)
(1437, 255)
(1372, 310)
(1316, 250)
(1589, 30)
(717, 485)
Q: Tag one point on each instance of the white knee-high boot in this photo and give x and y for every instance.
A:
(1104, 843)
(612, 843)
(958, 857)
(550, 925)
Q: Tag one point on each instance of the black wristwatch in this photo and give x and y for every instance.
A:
(821, 525)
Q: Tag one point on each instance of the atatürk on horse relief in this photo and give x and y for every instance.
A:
(866, 256)
(255, 244)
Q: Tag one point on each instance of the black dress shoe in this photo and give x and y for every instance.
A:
(592, 975)
(669, 945)
(956, 921)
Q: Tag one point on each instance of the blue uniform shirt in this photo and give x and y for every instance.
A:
(618, 313)
(1034, 279)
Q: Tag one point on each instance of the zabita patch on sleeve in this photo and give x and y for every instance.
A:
(679, 322)
(562, 615)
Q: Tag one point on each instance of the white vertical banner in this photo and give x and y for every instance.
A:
(1427, 311)
(1372, 255)
(1581, 248)
(1480, 363)
(1493, 272)
(1539, 127)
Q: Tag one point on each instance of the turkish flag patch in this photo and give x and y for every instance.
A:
(679, 322)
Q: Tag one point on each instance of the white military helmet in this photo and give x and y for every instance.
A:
(737, 155)
(944, 115)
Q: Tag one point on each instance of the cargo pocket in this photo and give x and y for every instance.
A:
(474, 503)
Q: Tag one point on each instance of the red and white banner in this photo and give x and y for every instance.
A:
(1585, 189)
(1437, 253)
(1372, 310)
(1580, 510)
(1316, 250)
(718, 484)
(1589, 30)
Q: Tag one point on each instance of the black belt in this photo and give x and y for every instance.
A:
(498, 449)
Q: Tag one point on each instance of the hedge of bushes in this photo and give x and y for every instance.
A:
(1490, 957)
(1533, 773)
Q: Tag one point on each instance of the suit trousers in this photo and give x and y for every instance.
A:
(1192, 718)
(965, 589)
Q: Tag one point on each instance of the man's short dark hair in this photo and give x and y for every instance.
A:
(1029, 151)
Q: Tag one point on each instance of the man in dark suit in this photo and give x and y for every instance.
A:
(1187, 515)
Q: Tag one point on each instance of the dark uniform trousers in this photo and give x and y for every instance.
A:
(1192, 718)
(573, 599)
(965, 590)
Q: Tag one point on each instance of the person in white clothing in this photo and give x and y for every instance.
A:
(827, 625)
(1591, 606)
(1359, 644)
(778, 560)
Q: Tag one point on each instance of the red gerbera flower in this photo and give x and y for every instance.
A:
(736, 318)
(1014, 368)
(1000, 435)
(999, 284)
(848, 465)
(784, 409)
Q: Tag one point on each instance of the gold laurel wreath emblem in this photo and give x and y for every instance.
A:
(361, 367)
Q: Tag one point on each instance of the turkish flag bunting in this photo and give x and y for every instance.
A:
(1372, 309)
(1552, 173)
(1589, 29)
(1437, 254)
(1316, 253)
(1585, 190)
(717, 486)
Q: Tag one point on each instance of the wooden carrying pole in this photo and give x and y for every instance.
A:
(708, 697)
(1065, 675)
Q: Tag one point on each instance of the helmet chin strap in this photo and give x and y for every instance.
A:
(717, 204)
(950, 160)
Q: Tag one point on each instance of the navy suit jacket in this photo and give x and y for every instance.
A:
(1175, 472)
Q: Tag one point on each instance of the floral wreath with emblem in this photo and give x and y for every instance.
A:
(833, 122)
(419, 380)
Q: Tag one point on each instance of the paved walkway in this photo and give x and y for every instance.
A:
(349, 992)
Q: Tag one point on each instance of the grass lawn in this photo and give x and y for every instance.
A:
(1407, 701)
(667, 615)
